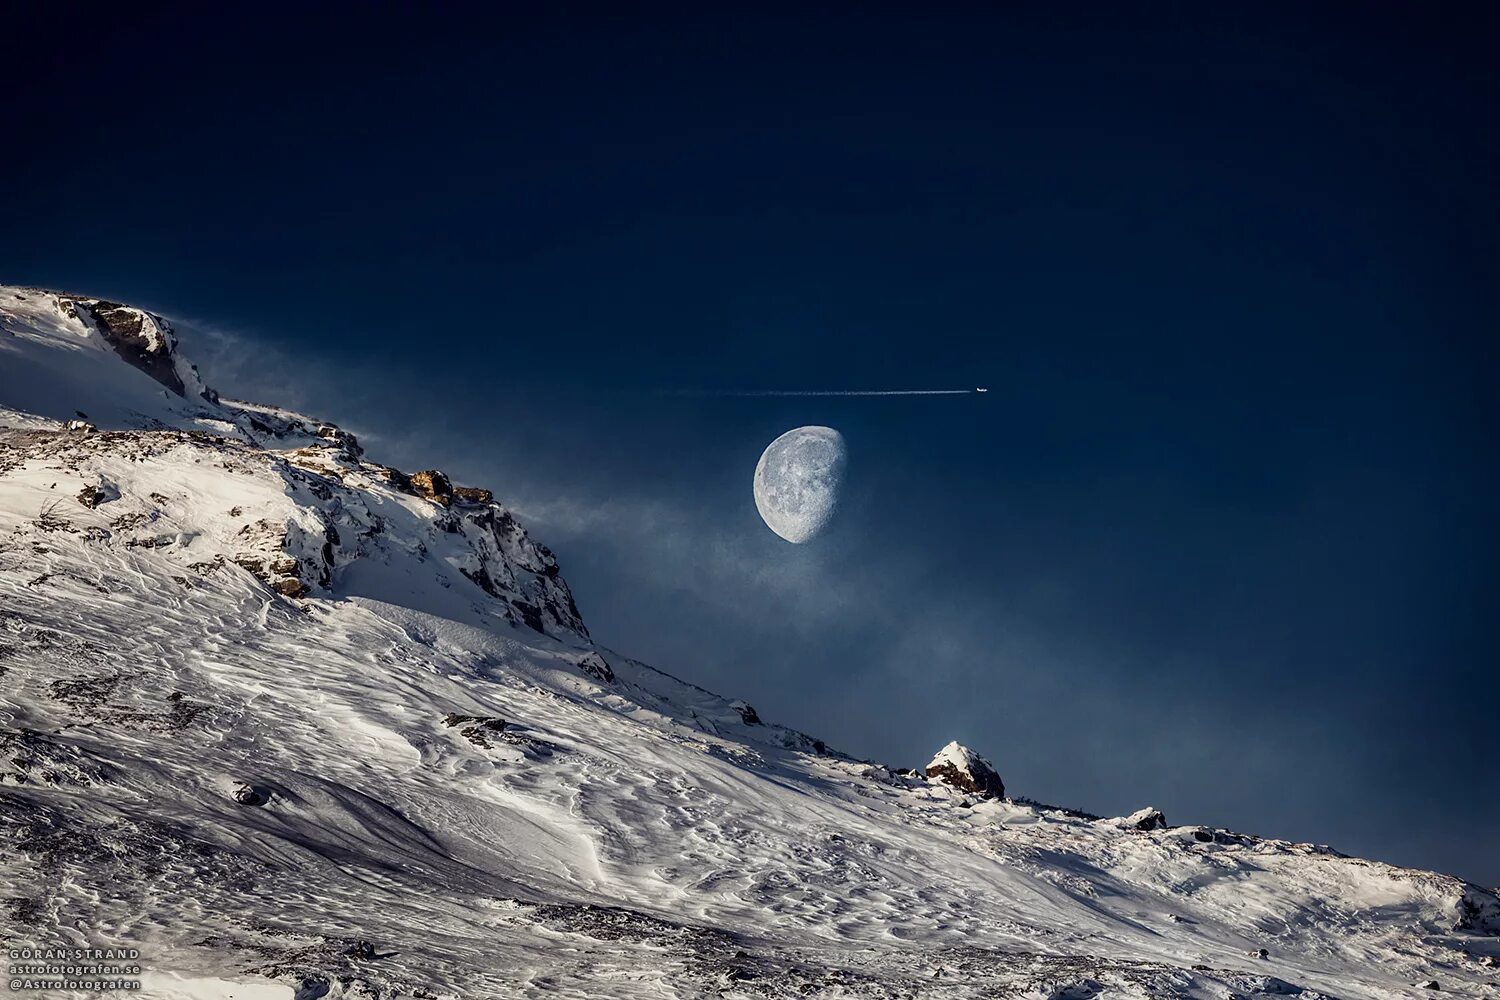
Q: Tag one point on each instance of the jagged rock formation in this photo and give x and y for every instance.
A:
(307, 507)
(965, 770)
(294, 726)
(142, 339)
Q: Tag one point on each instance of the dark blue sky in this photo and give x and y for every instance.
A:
(1221, 538)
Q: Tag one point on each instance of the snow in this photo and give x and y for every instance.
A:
(170, 986)
(958, 756)
(571, 837)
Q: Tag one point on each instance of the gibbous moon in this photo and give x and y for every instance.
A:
(797, 481)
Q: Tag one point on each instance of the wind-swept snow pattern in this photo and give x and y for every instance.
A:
(296, 724)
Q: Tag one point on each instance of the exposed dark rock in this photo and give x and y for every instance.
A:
(596, 667)
(454, 719)
(347, 444)
(38, 759)
(481, 577)
(477, 729)
(485, 730)
(92, 495)
(472, 495)
(1222, 837)
(530, 614)
(394, 477)
(1147, 819)
(330, 543)
(747, 713)
(266, 558)
(312, 988)
(247, 794)
(139, 338)
(86, 694)
(1478, 912)
(433, 485)
(965, 770)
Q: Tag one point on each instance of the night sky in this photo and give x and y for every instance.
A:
(1222, 537)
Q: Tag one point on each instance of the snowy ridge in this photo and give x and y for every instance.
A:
(298, 724)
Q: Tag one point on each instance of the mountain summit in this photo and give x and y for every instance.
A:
(297, 724)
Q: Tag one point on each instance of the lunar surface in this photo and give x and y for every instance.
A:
(797, 481)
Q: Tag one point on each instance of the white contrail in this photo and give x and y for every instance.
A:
(832, 392)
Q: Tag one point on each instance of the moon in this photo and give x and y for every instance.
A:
(797, 481)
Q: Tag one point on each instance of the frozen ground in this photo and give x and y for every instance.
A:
(297, 724)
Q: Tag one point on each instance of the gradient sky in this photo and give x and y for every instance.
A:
(1222, 537)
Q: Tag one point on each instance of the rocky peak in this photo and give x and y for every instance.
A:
(143, 340)
(433, 485)
(308, 508)
(967, 771)
(437, 487)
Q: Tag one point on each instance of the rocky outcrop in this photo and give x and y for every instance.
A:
(1146, 819)
(504, 554)
(473, 495)
(477, 729)
(596, 667)
(139, 338)
(1477, 911)
(431, 485)
(287, 557)
(247, 794)
(94, 494)
(346, 444)
(333, 511)
(962, 768)
(485, 731)
(435, 486)
(143, 340)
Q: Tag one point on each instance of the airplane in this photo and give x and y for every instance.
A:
(981, 390)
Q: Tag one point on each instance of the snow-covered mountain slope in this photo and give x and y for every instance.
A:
(297, 724)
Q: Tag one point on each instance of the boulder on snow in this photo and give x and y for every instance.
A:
(1148, 818)
(965, 770)
(477, 729)
(94, 494)
(247, 794)
(433, 485)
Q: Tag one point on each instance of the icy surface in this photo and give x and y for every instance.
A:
(387, 759)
